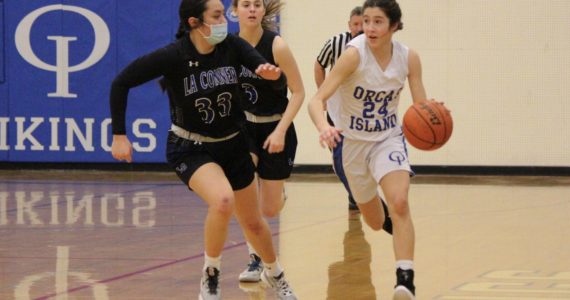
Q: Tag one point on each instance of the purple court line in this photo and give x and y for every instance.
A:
(119, 277)
(185, 259)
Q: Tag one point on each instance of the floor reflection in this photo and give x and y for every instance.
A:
(253, 290)
(353, 272)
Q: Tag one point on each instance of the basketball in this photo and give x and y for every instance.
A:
(427, 125)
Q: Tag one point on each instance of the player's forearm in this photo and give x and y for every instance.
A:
(316, 113)
(291, 111)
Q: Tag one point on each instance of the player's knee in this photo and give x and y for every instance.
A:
(271, 204)
(223, 206)
(400, 206)
(272, 210)
(254, 227)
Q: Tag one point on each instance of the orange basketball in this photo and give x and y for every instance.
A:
(427, 125)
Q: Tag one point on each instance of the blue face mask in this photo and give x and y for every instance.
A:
(218, 33)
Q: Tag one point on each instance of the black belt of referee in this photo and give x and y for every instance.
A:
(262, 119)
(192, 136)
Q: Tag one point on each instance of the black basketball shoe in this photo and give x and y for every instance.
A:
(404, 289)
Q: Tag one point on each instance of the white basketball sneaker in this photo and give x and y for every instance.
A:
(280, 285)
(253, 271)
(210, 285)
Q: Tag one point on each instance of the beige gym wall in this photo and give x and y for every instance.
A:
(501, 66)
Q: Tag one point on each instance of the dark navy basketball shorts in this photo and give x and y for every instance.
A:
(272, 166)
(232, 155)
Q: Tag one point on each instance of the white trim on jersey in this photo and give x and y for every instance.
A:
(368, 99)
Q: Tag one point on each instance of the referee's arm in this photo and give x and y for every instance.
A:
(319, 74)
(322, 62)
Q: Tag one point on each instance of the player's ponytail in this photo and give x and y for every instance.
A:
(272, 10)
(182, 31)
(186, 10)
(189, 9)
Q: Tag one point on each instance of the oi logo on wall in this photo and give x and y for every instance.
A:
(62, 69)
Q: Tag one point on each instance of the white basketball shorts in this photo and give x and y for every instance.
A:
(365, 163)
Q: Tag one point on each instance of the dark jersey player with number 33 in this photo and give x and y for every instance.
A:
(205, 145)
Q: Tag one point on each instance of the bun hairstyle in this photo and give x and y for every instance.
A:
(391, 8)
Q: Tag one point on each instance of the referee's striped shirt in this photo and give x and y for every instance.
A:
(333, 49)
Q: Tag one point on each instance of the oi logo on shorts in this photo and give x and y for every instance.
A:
(398, 157)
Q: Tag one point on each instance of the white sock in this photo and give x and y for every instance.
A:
(215, 262)
(405, 264)
(274, 269)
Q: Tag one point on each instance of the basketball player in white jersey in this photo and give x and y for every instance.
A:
(367, 81)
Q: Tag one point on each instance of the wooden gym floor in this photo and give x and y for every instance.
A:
(111, 235)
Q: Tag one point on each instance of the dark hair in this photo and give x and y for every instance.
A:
(272, 9)
(391, 8)
(357, 11)
(187, 9)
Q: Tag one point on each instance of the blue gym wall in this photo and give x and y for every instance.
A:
(46, 119)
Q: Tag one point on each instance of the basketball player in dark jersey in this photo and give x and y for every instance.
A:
(268, 111)
(200, 73)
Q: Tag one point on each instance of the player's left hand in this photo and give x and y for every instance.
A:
(440, 103)
(268, 71)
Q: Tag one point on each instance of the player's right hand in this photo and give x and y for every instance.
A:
(121, 149)
(329, 136)
(268, 71)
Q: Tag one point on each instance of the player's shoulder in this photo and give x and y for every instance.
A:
(270, 38)
(174, 45)
(357, 42)
(233, 42)
(170, 51)
(400, 46)
(233, 39)
(404, 50)
(269, 34)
